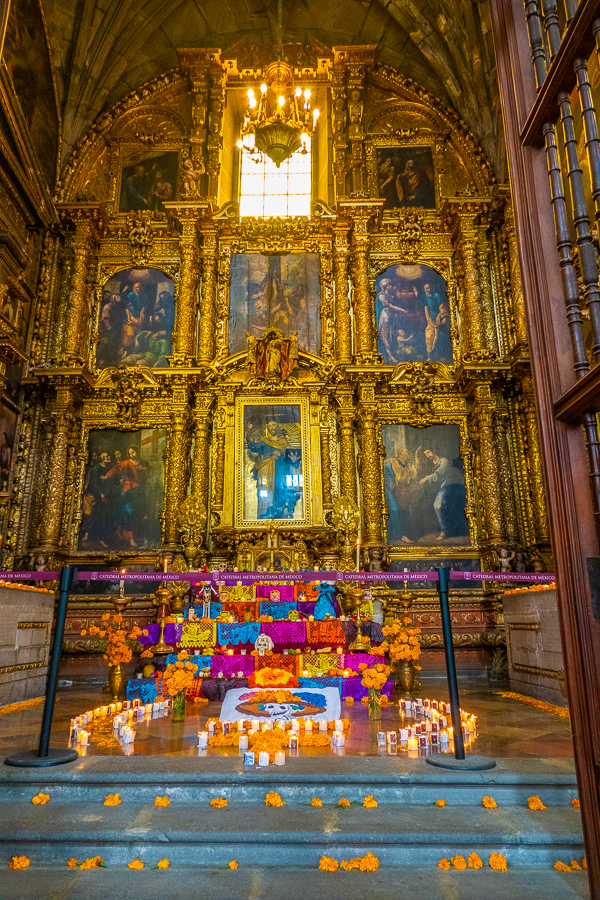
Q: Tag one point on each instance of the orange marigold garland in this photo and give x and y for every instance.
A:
(95, 862)
(370, 802)
(72, 863)
(539, 704)
(562, 867)
(344, 803)
(270, 676)
(328, 864)
(575, 865)
(575, 802)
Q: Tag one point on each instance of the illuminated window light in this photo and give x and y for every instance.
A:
(268, 192)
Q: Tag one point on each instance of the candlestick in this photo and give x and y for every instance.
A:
(279, 758)
(358, 554)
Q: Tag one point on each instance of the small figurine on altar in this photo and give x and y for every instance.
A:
(325, 601)
(504, 559)
(263, 644)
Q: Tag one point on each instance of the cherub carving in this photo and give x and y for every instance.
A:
(504, 559)
(192, 170)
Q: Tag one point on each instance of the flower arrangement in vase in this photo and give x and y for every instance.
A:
(179, 676)
(374, 679)
(404, 649)
(117, 645)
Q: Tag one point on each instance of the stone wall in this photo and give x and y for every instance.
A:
(535, 662)
(26, 616)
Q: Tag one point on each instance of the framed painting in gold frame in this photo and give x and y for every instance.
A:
(273, 462)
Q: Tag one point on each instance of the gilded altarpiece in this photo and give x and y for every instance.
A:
(333, 400)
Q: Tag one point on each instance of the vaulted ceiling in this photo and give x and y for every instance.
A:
(102, 49)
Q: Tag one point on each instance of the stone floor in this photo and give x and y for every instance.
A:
(507, 728)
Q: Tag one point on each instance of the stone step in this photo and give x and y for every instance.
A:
(295, 834)
(182, 882)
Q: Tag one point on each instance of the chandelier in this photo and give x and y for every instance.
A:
(278, 128)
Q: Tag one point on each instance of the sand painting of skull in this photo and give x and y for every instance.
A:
(299, 706)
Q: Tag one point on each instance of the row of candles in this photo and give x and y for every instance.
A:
(124, 715)
(338, 738)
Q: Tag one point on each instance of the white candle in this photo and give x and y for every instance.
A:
(211, 727)
(263, 758)
(295, 726)
(391, 738)
(339, 725)
(381, 738)
(279, 724)
(413, 743)
(203, 740)
(308, 725)
(322, 726)
(404, 735)
(243, 741)
(241, 724)
(428, 727)
(148, 708)
(279, 758)
(293, 742)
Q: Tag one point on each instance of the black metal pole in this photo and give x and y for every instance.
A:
(65, 585)
(443, 587)
(45, 756)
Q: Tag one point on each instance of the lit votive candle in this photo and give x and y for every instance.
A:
(413, 743)
(381, 738)
(392, 738)
(243, 741)
(308, 725)
(202, 740)
(279, 724)
(293, 742)
(444, 722)
(295, 725)
(226, 726)
(263, 758)
(211, 727)
(404, 735)
(339, 725)
(305, 673)
(280, 758)
(428, 727)
(230, 653)
(241, 724)
(323, 726)
(126, 704)
(255, 725)
(148, 708)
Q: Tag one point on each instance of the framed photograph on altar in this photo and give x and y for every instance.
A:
(273, 464)
(282, 292)
(413, 316)
(122, 489)
(425, 493)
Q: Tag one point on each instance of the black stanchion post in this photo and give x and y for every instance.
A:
(45, 756)
(443, 588)
(458, 759)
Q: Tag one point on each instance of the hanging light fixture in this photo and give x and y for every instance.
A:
(281, 128)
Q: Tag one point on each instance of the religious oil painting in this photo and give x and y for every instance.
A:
(413, 317)
(147, 180)
(273, 462)
(123, 490)
(425, 492)
(281, 292)
(137, 314)
(405, 177)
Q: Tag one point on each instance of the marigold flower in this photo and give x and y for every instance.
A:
(440, 803)
(575, 802)
(19, 862)
(535, 803)
(344, 803)
(584, 862)
(497, 862)
(218, 802)
(83, 633)
(40, 799)
(72, 863)
(135, 864)
(489, 803)
(369, 863)
(562, 867)
(162, 801)
(273, 799)
(233, 864)
(106, 617)
(574, 864)
(316, 802)
(474, 861)
(444, 864)
(364, 700)
(458, 862)
(112, 800)
(95, 862)
(349, 701)
(162, 864)
(370, 802)
(328, 864)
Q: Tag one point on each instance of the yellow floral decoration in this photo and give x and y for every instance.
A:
(370, 802)
(575, 802)
(562, 867)
(233, 864)
(179, 676)
(575, 865)
(316, 802)
(218, 802)
(19, 862)
(535, 803)
(344, 803)
(135, 864)
(444, 864)
(440, 803)
(95, 862)
(328, 864)
(162, 864)
(72, 863)
(458, 862)
(273, 799)
(497, 862)
(112, 800)
(489, 803)
(474, 861)
(402, 641)
(40, 799)
(162, 801)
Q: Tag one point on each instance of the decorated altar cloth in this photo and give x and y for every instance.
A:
(232, 666)
(316, 703)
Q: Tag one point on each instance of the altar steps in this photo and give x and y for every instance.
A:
(252, 882)
(405, 830)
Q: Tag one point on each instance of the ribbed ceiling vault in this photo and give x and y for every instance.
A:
(102, 49)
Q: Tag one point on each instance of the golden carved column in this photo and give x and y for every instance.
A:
(489, 486)
(345, 419)
(370, 476)
(509, 505)
(325, 459)
(487, 301)
(206, 333)
(185, 217)
(89, 222)
(176, 477)
(534, 463)
(62, 419)
(462, 217)
(220, 421)
(194, 509)
(363, 213)
(516, 284)
(343, 325)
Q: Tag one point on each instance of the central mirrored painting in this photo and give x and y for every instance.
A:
(273, 462)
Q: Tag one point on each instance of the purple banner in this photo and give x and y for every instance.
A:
(539, 577)
(29, 576)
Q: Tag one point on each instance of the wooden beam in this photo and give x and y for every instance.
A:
(583, 397)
